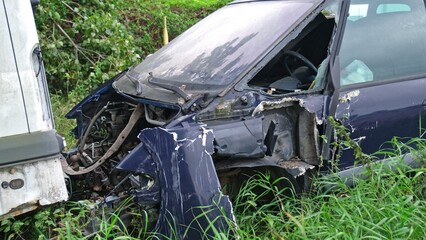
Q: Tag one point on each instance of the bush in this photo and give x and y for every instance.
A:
(87, 42)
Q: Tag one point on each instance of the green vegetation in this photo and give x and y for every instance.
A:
(87, 42)
(387, 204)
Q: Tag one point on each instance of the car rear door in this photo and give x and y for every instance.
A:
(382, 74)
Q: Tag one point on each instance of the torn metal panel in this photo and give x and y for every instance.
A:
(24, 187)
(267, 161)
(292, 130)
(309, 139)
(311, 105)
(280, 137)
(269, 105)
(349, 96)
(315, 104)
(344, 109)
(179, 160)
(295, 167)
(228, 137)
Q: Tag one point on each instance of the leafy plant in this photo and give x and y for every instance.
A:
(88, 42)
(85, 43)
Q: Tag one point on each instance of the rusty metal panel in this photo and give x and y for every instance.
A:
(27, 186)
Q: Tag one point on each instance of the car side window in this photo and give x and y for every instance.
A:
(383, 41)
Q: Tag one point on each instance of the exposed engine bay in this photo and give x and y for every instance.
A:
(107, 138)
(120, 130)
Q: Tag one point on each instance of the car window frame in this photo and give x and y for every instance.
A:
(242, 84)
(382, 82)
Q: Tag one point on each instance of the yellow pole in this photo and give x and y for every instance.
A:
(165, 33)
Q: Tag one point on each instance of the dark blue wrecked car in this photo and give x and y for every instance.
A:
(250, 89)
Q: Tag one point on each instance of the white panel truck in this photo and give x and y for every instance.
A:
(30, 149)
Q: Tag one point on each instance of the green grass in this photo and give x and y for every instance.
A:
(386, 205)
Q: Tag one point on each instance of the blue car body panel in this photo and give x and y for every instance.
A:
(179, 160)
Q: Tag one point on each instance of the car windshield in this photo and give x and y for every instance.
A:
(222, 46)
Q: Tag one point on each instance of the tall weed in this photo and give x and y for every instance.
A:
(389, 204)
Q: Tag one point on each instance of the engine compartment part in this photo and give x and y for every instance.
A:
(229, 145)
(112, 150)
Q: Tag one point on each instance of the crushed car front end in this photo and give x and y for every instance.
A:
(175, 129)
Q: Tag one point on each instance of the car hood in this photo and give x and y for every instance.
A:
(215, 52)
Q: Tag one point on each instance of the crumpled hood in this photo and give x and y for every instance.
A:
(216, 52)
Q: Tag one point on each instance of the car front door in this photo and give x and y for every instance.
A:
(382, 62)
